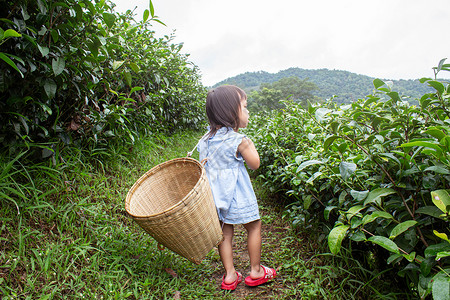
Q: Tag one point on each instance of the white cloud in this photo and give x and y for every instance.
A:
(386, 39)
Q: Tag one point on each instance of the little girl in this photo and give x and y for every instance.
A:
(225, 151)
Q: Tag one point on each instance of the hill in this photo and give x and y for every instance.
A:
(347, 86)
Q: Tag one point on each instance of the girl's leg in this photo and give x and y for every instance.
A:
(226, 253)
(254, 248)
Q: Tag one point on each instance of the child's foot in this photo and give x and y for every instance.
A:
(269, 274)
(231, 286)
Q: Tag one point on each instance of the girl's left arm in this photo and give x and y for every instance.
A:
(249, 153)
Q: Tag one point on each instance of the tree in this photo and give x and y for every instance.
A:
(289, 88)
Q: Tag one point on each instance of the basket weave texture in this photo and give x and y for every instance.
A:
(174, 204)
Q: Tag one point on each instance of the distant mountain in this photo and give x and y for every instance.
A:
(347, 86)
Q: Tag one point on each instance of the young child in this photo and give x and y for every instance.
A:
(225, 151)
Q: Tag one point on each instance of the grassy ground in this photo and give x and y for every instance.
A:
(66, 235)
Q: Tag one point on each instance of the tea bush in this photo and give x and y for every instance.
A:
(78, 73)
(376, 171)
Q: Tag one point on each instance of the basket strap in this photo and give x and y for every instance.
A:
(189, 154)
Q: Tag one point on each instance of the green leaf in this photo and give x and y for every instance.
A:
(321, 113)
(429, 210)
(441, 235)
(433, 250)
(359, 196)
(441, 285)
(410, 257)
(370, 100)
(400, 228)
(442, 254)
(327, 211)
(152, 9)
(435, 132)
(308, 163)
(45, 108)
(423, 144)
(376, 214)
(329, 141)
(375, 195)
(313, 177)
(10, 62)
(346, 169)
(159, 21)
(426, 265)
(358, 236)
(391, 156)
(394, 96)
(44, 50)
(311, 136)
(311, 109)
(353, 211)
(93, 47)
(377, 83)
(134, 67)
(334, 126)
(385, 243)
(394, 258)
(335, 238)
(135, 89)
(109, 19)
(441, 199)
(439, 87)
(42, 6)
(11, 33)
(342, 196)
(50, 88)
(307, 202)
(342, 147)
(438, 169)
(58, 65)
(55, 35)
(25, 14)
(127, 76)
(440, 65)
(146, 15)
(117, 64)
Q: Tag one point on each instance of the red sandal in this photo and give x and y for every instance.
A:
(269, 274)
(231, 286)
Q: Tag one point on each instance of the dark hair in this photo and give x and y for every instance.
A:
(223, 105)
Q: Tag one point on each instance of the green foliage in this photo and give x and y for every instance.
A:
(76, 72)
(347, 86)
(291, 88)
(74, 240)
(376, 170)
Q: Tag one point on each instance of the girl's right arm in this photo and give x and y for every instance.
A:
(249, 153)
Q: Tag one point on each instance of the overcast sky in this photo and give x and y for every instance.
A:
(387, 39)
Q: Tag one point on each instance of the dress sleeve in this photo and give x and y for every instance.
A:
(236, 142)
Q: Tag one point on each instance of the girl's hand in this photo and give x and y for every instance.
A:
(249, 153)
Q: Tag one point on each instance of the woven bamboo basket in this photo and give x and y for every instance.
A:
(174, 204)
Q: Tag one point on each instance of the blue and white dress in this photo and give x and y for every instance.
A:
(228, 177)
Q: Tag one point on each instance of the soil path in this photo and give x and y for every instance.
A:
(272, 254)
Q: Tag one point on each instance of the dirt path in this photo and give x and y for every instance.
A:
(272, 255)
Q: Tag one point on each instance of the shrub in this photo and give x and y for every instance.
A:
(76, 72)
(376, 171)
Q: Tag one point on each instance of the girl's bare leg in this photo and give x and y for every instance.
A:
(226, 253)
(254, 248)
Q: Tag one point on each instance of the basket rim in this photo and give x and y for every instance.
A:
(153, 170)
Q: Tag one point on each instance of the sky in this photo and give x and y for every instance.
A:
(386, 39)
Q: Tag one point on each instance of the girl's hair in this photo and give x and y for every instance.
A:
(223, 105)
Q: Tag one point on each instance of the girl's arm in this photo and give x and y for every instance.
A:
(249, 153)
